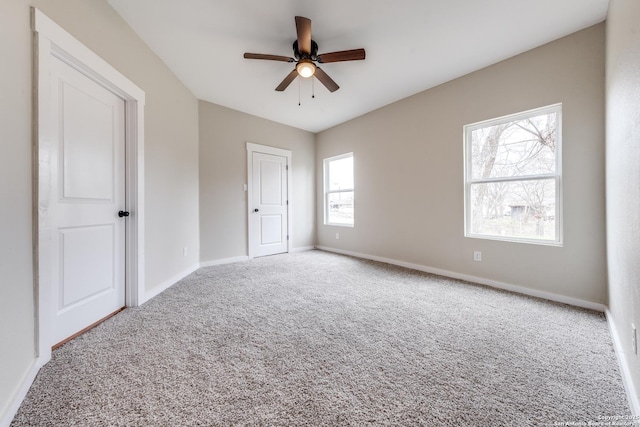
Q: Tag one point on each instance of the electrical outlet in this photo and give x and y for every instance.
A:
(184, 251)
(634, 339)
(477, 256)
(337, 236)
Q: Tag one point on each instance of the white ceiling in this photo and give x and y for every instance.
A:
(411, 45)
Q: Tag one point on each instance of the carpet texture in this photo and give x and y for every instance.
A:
(316, 338)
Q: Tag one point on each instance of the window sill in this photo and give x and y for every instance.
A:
(555, 243)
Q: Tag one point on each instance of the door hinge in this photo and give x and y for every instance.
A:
(287, 167)
(287, 203)
(287, 237)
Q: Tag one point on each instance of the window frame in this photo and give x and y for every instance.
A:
(327, 191)
(557, 176)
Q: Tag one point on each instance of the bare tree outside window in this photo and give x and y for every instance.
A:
(513, 177)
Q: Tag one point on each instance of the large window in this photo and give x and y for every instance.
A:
(513, 177)
(338, 190)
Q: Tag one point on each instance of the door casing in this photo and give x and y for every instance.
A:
(257, 148)
(51, 40)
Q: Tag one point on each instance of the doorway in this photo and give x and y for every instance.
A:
(269, 204)
(88, 186)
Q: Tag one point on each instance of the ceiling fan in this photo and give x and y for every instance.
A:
(305, 51)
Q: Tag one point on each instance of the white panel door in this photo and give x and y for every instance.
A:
(268, 209)
(88, 191)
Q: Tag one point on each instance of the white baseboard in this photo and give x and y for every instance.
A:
(480, 280)
(148, 294)
(27, 381)
(303, 249)
(627, 378)
(223, 261)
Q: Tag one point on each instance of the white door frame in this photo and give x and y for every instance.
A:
(257, 148)
(52, 41)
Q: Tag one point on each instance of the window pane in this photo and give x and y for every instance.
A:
(519, 209)
(518, 148)
(341, 174)
(340, 208)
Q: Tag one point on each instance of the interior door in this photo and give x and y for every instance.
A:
(268, 207)
(88, 191)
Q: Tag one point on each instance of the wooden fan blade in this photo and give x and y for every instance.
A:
(268, 57)
(343, 55)
(326, 80)
(287, 80)
(303, 27)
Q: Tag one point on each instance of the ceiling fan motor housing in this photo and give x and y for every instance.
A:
(298, 55)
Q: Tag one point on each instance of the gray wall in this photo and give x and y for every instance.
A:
(223, 172)
(623, 173)
(16, 277)
(409, 171)
(171, 163)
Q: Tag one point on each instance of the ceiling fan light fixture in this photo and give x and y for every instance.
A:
(306, 68)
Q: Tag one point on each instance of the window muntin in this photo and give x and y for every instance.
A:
(513, 179)
(339, 190)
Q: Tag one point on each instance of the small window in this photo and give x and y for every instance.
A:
(513, 179)
(338, 190)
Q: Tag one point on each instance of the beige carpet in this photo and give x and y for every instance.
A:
(320, 339)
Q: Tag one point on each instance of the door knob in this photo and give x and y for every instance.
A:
(123, 213)
(256, 210)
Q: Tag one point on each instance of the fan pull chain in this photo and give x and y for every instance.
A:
(313, 88)
(299, 92)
